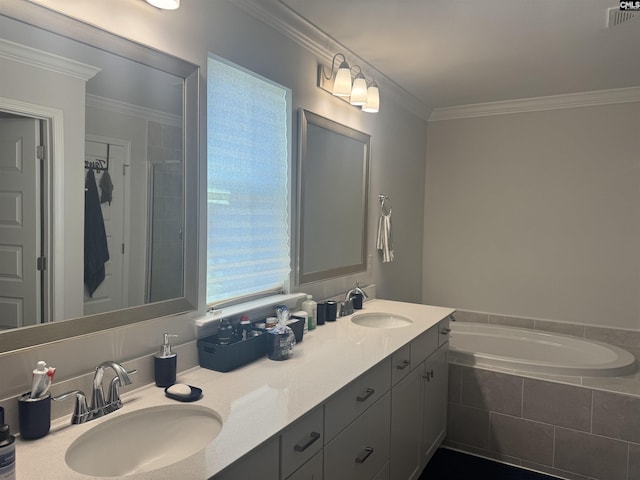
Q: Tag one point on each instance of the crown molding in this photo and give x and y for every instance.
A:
(47, 61)
(282, 18)
(117, 106)
(553, 102)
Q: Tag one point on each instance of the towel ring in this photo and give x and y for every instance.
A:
(385, 201)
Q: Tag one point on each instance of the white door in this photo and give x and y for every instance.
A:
(20, 300)
(110, 294)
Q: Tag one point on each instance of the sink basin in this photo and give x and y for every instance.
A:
(381, 320)
(143, 440)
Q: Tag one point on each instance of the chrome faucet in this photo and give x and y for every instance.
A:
(99, 407)
(354, 291)
(346, 307)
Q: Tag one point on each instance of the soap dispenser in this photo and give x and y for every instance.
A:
(165, 363)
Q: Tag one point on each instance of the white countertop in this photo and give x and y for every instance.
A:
(256, 401)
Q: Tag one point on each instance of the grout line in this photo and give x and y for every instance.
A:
(591, 416)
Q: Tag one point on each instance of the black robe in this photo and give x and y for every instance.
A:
(96, 252)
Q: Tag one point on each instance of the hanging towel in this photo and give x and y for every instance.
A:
(106, 188)
(96, 252)
(384, 242)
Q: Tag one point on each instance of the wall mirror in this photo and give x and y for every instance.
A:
(333, 181)
(116, 117)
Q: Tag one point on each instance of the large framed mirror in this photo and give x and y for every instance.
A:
(333, 185)
(97, 134)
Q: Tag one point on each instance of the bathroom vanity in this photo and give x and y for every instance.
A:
(353, 402)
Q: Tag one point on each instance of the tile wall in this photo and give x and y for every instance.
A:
(570, 431)
(574, 428)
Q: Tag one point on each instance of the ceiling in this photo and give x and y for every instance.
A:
(459, 52)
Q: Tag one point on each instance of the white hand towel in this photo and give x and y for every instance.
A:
(384, 241)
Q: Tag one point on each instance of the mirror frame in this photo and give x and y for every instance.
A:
(60, 24)
(309, 118)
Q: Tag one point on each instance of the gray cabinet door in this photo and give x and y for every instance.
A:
(406, 426)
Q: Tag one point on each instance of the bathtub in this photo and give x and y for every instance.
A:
(525, 350)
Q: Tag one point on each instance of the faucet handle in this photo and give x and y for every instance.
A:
(81, 411)
(113, 396)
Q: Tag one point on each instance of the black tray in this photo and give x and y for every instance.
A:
(224, 358)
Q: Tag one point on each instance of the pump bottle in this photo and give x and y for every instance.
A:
(165, 363)
(7, 454)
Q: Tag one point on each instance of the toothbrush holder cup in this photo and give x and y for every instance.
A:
(34, 415)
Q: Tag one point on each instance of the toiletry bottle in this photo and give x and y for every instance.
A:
(245, 324)
(311, 308)
(165, 363)
(225, 332)
(41, 379)
(7, 454)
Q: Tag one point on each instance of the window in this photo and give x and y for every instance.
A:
(247, 183)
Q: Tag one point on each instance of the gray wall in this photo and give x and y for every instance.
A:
(398, 144)
(536, 215)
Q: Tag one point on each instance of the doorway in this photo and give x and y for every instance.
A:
(24, 232)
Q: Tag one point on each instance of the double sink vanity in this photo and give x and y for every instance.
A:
(362, 398)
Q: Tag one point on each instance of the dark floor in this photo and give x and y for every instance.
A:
(451, 465)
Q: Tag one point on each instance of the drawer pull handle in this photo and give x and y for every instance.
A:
(368, 393)
(403, 365)
(428, 376)
(313, 436)
(445, 331)
(364, 455)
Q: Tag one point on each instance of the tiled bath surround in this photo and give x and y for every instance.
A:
(572, 427)
(626, 339)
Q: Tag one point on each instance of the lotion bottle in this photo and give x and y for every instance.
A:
(165, 363)
(311, 308)
(7, 454)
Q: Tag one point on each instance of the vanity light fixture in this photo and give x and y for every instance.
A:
(165, 4)
(339, 83)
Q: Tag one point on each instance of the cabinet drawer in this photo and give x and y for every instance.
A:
(263, 459)
(424, 345)
(444, 329)
(361, 450)
(384, 474)
(400, 364)
(341, 409)
(302, 440)
(312, 470)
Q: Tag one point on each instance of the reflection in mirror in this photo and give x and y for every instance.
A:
(333, 188)
(111, 117)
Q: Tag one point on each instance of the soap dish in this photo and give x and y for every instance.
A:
(196, 394)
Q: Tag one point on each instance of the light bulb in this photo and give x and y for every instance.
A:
(359, 91)
(342, 83)
(165, 4)
(373, 100)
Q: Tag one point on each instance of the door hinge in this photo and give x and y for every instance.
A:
(123, 248)
(41, 152)
(41, 264)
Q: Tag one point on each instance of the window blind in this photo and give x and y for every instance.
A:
(247, 183)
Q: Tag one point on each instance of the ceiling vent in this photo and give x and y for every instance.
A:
(616, 17)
